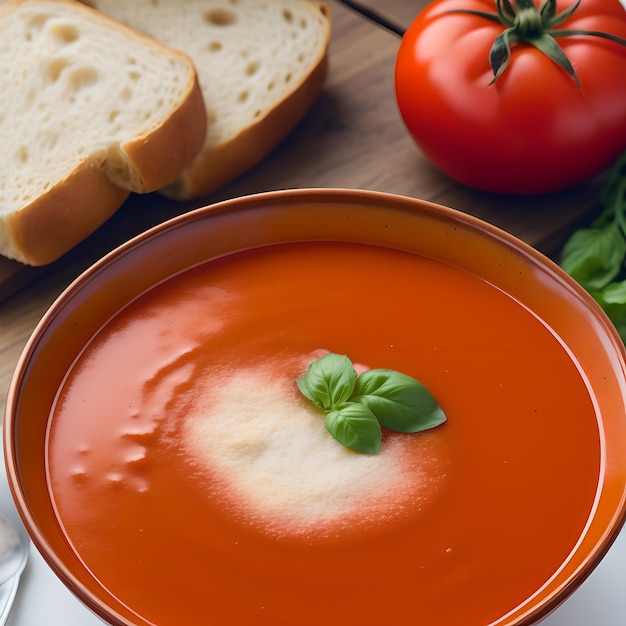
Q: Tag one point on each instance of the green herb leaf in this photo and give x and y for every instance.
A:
(594, 256)
(615, 293)
(355, 427)
(329, 381)
(357, 406)
(613, 300)
(399, 402)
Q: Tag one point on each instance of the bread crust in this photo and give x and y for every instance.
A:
(163, 154)
(58, 220)
(159, 156)
(221, 164)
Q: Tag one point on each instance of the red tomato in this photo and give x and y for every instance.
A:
(532, 131)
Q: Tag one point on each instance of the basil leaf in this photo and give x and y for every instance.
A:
(354, 426)
(617, 315)
(615, 293)
(398, 401)
(304, 390)
(329, 381)
(613, 300)
(594, 256)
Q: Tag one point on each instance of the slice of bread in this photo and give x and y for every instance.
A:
(260, 63)
(89, 111)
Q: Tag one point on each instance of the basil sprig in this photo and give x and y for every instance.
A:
(596, 256)
(357, 406)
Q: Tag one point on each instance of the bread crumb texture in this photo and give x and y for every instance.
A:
(266, 455)
(76, 87)
(250, 55)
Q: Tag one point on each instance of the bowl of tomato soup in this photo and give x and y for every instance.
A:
(169, 471)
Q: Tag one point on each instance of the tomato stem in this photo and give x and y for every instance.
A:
(525, 23)
(528, 23)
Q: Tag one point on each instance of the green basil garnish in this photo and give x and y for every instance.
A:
(357, 406)
(329, 381)
(354, 426)
(398, 401)
(595, 256)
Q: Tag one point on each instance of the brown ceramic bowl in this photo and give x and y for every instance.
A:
(493, 518)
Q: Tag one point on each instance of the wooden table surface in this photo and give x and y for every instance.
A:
(352, 137)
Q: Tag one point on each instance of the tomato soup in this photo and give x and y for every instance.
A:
(192, 480)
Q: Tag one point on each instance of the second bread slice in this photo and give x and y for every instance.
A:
(260, 63)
